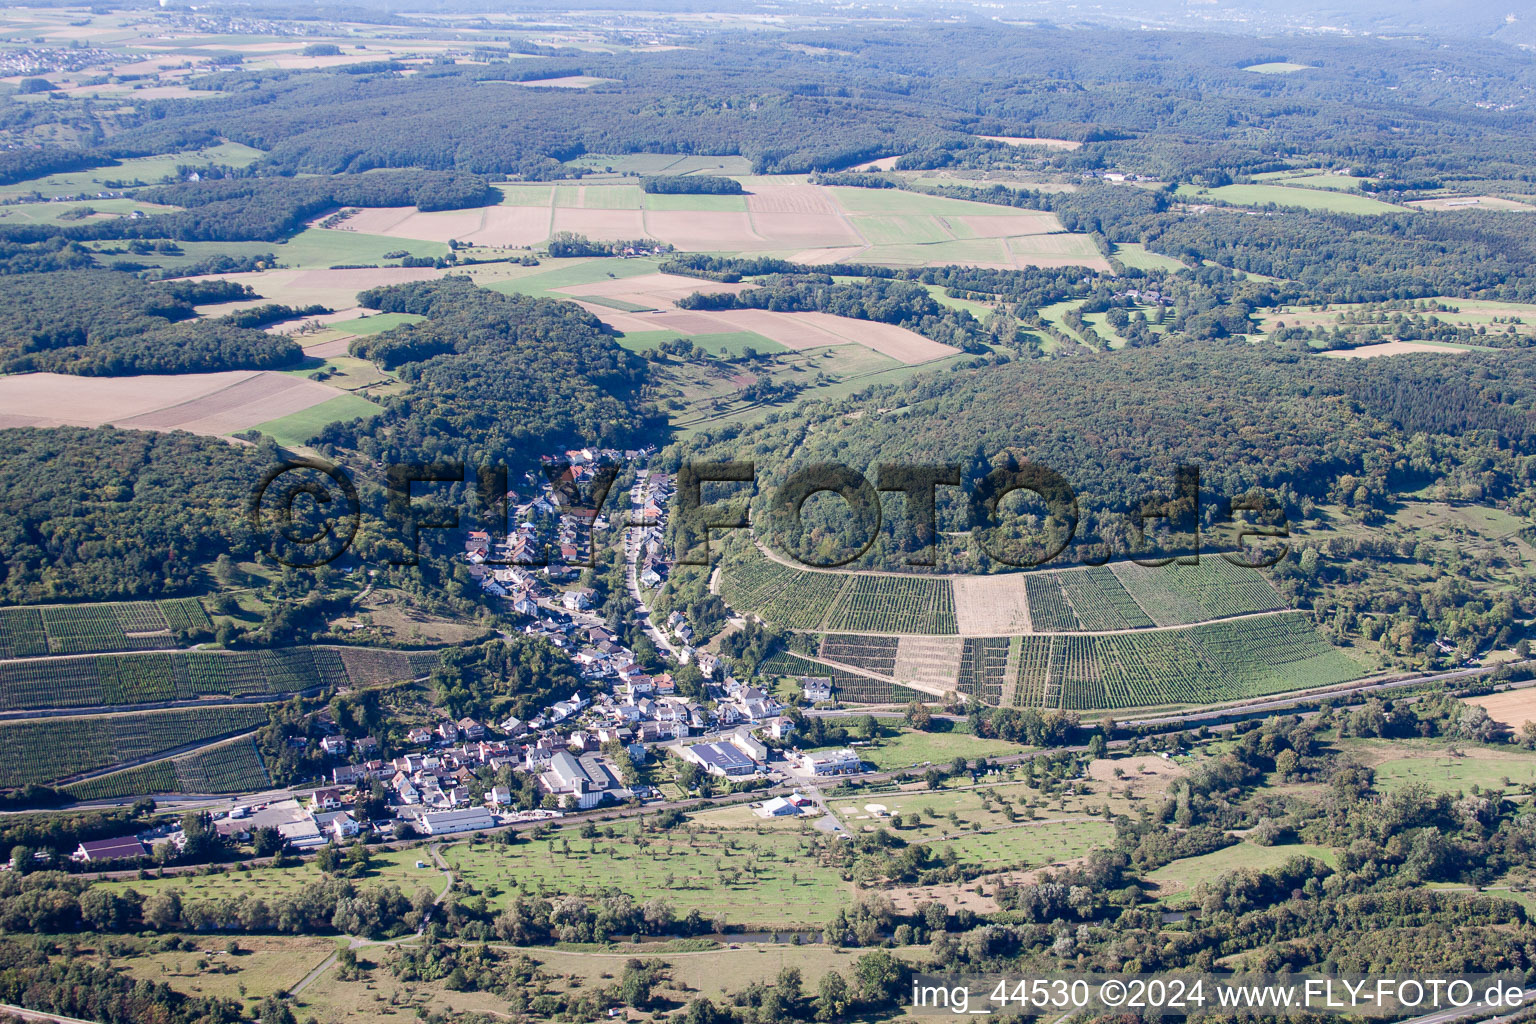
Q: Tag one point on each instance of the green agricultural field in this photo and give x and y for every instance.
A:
(300, 427)
(603, 197)
(318, 248)
(723, 204)
(525, 195)
(542, 280)
(1330, 201)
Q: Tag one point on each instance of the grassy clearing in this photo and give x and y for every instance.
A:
(389, 867)
(1035, 844)
(147, 170)
(299, 427)
(1139, 257)
(378, 323)
(266, 964)
(1185, 874)
(909, 748)
(1277, 67)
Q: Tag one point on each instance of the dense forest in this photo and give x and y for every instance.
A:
(505, 376)
(114, 324)
(107, 513)
(1116, 426)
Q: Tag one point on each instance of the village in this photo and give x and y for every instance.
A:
(596, 746)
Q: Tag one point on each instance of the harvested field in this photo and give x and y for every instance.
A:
(1389, 348)
(491, 225)
(659, 291)
(1470, 203)
(889, 340)
(791, 199)
(707, 230)
(600, 224)
(991, 605)
(335, 288)
(204, 403)
(929, 662)
(1512, 707)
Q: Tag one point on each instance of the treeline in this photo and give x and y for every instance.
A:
(104, 323)
(691, 185)
(268, 209)
(24, 164)
(901, 303)
(570, 244)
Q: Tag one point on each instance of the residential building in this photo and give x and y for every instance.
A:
(744, 741)
(816, 689)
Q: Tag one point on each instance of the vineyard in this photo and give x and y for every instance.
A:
(1099, 600)
(233, 767)
(984, 667)
(895, 604)
(1049, 609)
(48, 749)
(847, 686)
(1175, 595)
(787, 597)
(88, 628)
(1203, 664)
(112, 680)
(872, 653)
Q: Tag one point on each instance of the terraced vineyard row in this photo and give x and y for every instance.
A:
(86, 628)
(1175, 594)
(894, 604)
(982, 666)
(1211, 663)
(1034, 664)
(848, 687)
(788, 597)
(233, 767)
(1099, 600)
(117, 679)
(873, 653)
(47, 749)
(1049, 610)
